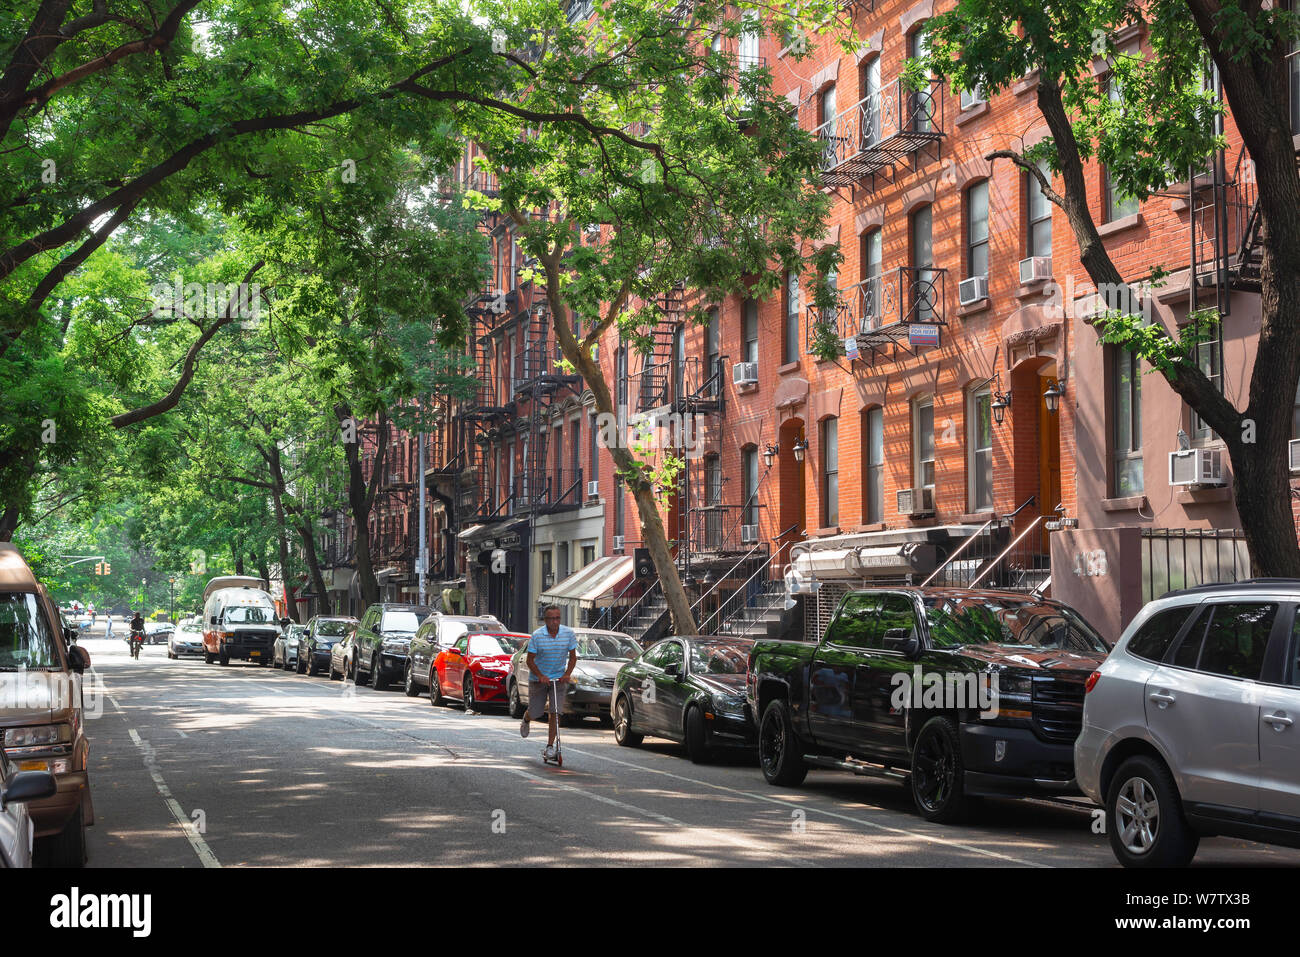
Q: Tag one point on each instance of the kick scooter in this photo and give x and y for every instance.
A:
(558, 760)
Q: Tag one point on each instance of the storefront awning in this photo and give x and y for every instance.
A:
(596, 585)
(470, 532)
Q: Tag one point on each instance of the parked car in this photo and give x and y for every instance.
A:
(187, 639)
(41, 667)
(473, 671)
(383, 641)
(902, 685)
(1191, 728)
(158, 632)
(17, 788)
(600, 655)
(436, 634)
(317, 642)
(284, 653)
(686, 689)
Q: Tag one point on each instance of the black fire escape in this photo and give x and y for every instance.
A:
(541, 381)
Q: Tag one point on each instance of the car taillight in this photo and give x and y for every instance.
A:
(1091, 682)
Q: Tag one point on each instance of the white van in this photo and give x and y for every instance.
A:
(239, 620)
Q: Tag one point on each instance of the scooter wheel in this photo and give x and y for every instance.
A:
(559, 760)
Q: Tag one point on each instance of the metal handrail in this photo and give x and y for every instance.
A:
(658, 585)
(989, 569)
(762, 568)
(744, 558)
(961, 548)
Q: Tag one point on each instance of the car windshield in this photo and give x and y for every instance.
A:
(250, 615)
(25, 639)
(613, 647)
(719, 657)
(493, 645)
(453, 630)
(188, 628)
(332, 629)
(1005, 621)
(406, 621)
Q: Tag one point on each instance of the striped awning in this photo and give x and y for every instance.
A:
(596, 585)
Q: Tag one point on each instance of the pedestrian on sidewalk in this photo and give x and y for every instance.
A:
(552, 655)
(108, 626)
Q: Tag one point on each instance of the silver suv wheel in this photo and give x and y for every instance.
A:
(1137, 815)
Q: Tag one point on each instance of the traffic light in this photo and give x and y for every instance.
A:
(108, 568)
(99, 568)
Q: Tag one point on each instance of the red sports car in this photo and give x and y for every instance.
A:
(474, 669)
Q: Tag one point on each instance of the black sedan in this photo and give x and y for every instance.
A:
(690, 690)
(317, 641)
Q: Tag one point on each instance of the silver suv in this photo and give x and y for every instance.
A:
(1191, 727)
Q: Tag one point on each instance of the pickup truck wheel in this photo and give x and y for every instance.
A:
(208, 657)
(938, 774)
(778, 747)
(225, 657)
(68, 847)
(1145, 817)
(516, 706)
(697, 736)
(623, 733)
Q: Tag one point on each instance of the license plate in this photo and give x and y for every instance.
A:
(32, 766)
(254, 654)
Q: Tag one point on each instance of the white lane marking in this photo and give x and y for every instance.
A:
(794, 805)
(206, 857)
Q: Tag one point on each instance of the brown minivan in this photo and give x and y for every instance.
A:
(41, 715)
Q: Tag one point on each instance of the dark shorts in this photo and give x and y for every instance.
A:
(539, 696)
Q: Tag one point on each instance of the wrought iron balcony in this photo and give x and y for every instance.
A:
(879, 309)
(879, 131)
(541, 490)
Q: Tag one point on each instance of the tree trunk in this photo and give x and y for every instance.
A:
(8, 522)
(653, 535)
(290, 602)
(239, 563)
(360, 499)
(304, 530)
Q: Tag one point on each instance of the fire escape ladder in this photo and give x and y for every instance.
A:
(657, 367)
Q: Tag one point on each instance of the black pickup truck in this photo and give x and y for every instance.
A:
(968, 693)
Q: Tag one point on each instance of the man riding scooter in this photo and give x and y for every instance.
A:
(137, 634)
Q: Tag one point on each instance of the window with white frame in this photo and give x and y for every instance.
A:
(830, 442)
(873, 446)
(1038, 213)
(977, 229)
(979, 442)
(1126, 441)
(923, 443)
(749, 330)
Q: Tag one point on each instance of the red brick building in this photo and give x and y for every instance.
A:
(973, 415)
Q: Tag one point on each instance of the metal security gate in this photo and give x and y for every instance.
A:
(1174, 558)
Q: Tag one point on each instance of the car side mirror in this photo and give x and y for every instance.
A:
(673, 669)
(80, 660)
(285, 622)
(902, 640)
(212, 620)
(29, 786)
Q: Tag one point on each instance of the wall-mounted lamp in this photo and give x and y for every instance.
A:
(1001, 401)
(769, 454)
(800, 447)
(1053, 395)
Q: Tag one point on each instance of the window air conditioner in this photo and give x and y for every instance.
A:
(972, 290)
(1196, 467)
(1035, 269)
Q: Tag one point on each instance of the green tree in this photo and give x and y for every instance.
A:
(696, 175)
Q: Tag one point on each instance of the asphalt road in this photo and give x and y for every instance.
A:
(198, 765)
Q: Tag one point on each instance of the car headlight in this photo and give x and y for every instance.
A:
(491, 674)
(728, 704)
(586, 682)
(38, 736)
